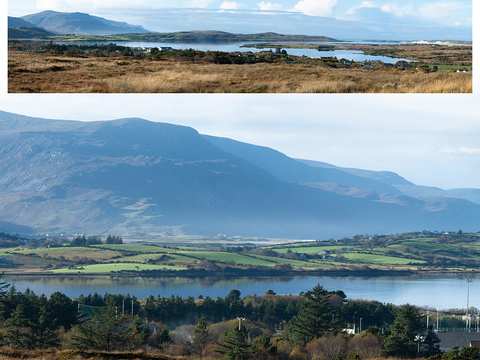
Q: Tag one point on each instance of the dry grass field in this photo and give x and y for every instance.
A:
(53, 354)
(42, 73)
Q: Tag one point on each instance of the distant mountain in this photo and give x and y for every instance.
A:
(28, 33)
(132, 176)
(18, 22)
(293, 171)
(405, 186)
(386, 177)
(80, 23)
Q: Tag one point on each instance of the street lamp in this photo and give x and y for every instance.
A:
(419, 339)
(467, 323)
(354, 322)
(240, 322)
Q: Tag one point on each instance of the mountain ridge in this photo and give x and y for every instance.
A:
(137, 177)
(79, 23)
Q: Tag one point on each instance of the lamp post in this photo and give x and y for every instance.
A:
(360, 326)
(467, 323)
(355, 313)
(419, 339)
(240, 322)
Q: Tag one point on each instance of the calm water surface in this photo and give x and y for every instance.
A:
(230, 47)
(435, 291)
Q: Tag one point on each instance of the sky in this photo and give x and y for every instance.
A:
(451, 13)
(430, 140)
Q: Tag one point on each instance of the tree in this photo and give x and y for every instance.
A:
(66, 310)
(315, 317)
(43, 331)
(142, 332)
(201, 335)
(165, 338)
(263, 348)
(234, 344)
(18, 330)
(401, 341)
(103, 331)
(431, 344)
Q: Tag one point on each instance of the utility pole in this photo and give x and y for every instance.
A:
(467, 323)
(355, 313)
(428, 316)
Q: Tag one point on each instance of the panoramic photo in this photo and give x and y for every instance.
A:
(245, 46)
(239, 227)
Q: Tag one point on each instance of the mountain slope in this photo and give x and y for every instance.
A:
(132, 176)
(80, 23)
(386, 177)
(18, 22)
(293, 171)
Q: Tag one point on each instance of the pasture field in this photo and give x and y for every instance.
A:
(380, 259)
(69, 253)
(307, 249)
(435, 252)
(109, 268)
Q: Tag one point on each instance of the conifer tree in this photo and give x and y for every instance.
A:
(201, 335)
(43, 332)
(407, 325)
(103, 331)
(315, 317)
(18, 330)
(234, 344)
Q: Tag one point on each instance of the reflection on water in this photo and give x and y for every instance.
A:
(445, 291)
(356, 55)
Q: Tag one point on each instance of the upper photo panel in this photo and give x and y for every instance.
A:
(242, 46)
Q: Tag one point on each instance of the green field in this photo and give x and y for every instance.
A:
(380, 259)
(445, 252)
(109, 268)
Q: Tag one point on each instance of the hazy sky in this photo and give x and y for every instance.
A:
(438, 12)
(429, 139)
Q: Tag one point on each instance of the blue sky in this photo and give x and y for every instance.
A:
(432, 12)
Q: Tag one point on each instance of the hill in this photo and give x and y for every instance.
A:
(28, 33)
(79, 23)
(132, 176)
(15, 22)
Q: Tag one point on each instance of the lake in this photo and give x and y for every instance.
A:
(443, 292)
(356, 55)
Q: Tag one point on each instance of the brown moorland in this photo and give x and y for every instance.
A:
(30, 72)
(54, 354)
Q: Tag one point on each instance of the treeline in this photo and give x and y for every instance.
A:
(317, 324)
(94, 240)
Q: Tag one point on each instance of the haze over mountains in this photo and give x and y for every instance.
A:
(74, 23)
(132, 176)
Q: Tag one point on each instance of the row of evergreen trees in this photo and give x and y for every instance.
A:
(32, 321)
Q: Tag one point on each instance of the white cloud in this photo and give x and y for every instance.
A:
(230, 5)
(460, 151)
(269, 6)
(365, 4)
(441, 9)
(315, 7)
(397, 10)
